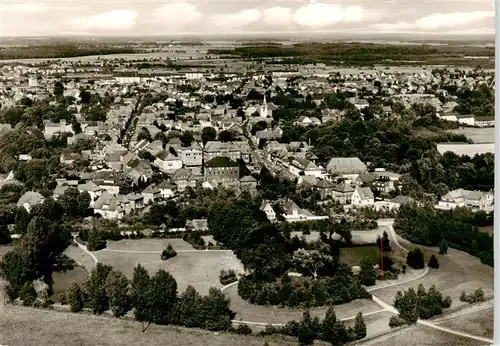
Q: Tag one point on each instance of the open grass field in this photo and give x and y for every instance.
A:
(478, 135)
(269, 314)
(198, 269)
(354, 255)
(79, 256)
(27, 327)
(478, 323)
(148, 244)
(458, 271)
(62, 280)
(421, 336)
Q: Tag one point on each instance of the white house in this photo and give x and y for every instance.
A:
(110, 207)
(292, 213)
(29, 200)
(167, 189)
(167, 162)
(362, 197)
(51, 129)
(475, 200)
(268, 210)
(93, 190)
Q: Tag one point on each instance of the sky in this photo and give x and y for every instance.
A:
(199, 17)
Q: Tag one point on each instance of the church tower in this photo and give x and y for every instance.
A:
(263, 108)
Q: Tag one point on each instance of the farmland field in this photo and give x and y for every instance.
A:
(270, 314)
(33, 327)
(199, 269)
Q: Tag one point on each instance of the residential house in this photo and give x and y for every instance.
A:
(52, 129)
(222, 170)
(151, 193)
(362, 197)
(342, 192)
(248, 184)
(110, 207)
(192, 156)
(393, 204)
(167, 189)
(167, 162)
(475, 200)
(214, 149)
(93, 190)
(136, 200)
(325, 188)
(292, 213)
(267, 208)
(307, 121)
(30, 199)
(183, 178)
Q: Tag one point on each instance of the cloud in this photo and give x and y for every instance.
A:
(116, 20)
(451, 20)
(440, 21)
(321, 15)
(277, 16)
(177, 15)
(237, 20)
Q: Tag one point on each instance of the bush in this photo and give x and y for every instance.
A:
(243, 329)
(396, 321)
(169, 252)
(433, 262)
(415, 259)
(403, 269)
(195, 239)
(447, 302)
(227, 276)
(96, 241)
(62, 299)
(475, 297)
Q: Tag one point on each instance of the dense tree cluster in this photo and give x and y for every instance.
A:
(330, 329)
(458, 228)
(227, 276)
(34, 256)
(153, 299)
(421, 304)
(303, 292)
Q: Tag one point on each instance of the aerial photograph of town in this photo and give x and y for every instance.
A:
(246, 173)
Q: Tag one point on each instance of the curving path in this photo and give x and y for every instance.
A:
(159, 252)
(84, 249)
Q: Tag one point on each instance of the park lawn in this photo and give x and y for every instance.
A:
(270, 314)
(62, 280)
(79, 256)
(199, 269)
(33, 327)
(458, 271)
(421, 336)
(479, 323)
(148, 244)
(354, 255)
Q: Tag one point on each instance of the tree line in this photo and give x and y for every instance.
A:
(457, 228)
